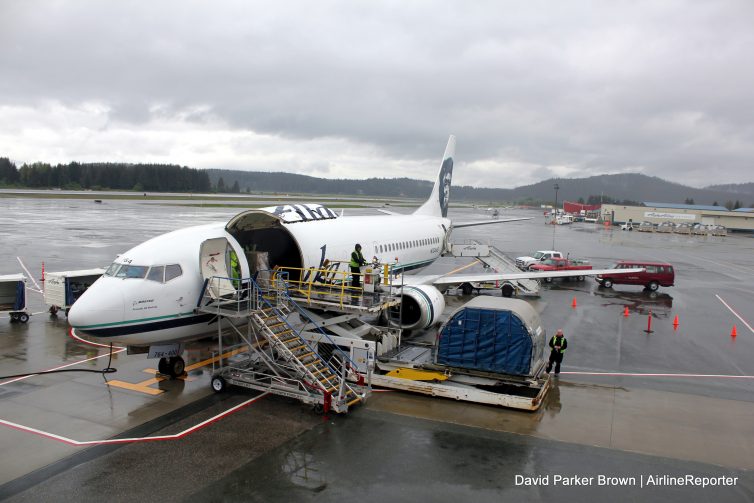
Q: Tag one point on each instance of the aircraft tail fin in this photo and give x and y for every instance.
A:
(437, 204)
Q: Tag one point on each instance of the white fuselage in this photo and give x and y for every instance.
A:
(140, 311)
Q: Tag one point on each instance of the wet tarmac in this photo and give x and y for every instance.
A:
(695, 417)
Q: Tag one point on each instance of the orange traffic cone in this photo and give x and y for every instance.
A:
(573, 304)
(625, 312)
(733, 332)
(675, 322)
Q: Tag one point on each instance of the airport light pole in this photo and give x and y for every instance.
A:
(555, 217)
(557, 187)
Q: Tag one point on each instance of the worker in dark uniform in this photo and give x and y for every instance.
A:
(357, 260)
(558, 345)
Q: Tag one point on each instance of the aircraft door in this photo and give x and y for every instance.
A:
(219, 264)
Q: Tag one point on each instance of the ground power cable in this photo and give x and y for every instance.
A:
(106, 370)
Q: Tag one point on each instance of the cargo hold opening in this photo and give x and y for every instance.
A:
(265, 240)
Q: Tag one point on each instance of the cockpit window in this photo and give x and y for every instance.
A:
(113, 269)
(132, 271)
(172, 271)
(156, 273)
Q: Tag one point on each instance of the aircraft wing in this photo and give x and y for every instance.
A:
(459, 279)
(388, 212)
(488, 222)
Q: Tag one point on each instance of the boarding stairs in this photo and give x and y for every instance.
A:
(498, 262)
(279, 359)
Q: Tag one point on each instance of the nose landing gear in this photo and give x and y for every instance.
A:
(173, 366)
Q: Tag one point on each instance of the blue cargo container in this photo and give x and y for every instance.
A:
(493, 334)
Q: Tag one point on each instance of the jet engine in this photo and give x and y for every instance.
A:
(421, 306)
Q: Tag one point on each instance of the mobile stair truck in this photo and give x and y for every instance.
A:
(62, 289)
(491, 350)
(13, 297)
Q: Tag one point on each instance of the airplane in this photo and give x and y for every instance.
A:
(147, 298)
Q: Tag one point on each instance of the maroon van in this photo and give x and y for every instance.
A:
(655, 274)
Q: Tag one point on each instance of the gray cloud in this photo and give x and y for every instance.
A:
(531, 89)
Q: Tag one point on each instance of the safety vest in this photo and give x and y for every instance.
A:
(234, 266)
(357, 259)
(563, 343)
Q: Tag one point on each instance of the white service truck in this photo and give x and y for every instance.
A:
(524, 263)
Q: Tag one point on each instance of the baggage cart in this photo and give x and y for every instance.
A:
(13, 297)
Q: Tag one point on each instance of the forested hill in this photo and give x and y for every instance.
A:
(100, 176)
(624, 188)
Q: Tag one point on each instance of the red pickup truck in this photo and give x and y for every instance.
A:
(563, 264)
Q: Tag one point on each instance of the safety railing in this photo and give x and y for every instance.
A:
(331, 284)
(270, 290)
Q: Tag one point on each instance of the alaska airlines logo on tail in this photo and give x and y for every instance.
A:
(446, 174)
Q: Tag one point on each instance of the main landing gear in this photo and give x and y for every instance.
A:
(173, 366)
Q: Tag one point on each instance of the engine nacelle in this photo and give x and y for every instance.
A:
(421, 306)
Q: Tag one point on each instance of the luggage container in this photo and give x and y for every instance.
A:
(62, 289)
(495, 335)
(13, 297)
(490, 351)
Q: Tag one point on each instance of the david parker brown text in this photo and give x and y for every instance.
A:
(641, 480)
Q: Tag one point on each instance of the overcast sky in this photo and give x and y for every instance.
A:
(359, 89)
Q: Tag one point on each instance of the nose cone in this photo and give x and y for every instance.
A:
(101, 306)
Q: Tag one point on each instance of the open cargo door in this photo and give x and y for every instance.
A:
(219, 265)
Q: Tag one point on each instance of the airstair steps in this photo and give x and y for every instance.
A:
(309, 365)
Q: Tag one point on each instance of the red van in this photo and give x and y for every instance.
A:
(655, 274)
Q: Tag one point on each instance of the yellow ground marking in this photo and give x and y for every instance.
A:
(145, 386)
(476, 261)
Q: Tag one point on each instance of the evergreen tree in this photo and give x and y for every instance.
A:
(221, 185)
(236, 188)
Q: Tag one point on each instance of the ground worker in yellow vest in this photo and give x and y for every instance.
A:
(235, 269)
(558, 345)
(357, 260)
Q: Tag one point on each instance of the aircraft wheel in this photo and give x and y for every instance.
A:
(218, 384)
(176, 366)
(162, 366)
(23, 317)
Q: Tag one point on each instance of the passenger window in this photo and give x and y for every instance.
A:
(172, 271)
(652, 269)
(156, 273)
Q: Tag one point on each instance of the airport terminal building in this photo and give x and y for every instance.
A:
(741, 219)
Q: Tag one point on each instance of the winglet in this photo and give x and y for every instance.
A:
(437, 204)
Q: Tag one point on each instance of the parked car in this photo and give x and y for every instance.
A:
(646, 227)
(665, 227)
(563, 264)
(655, 275)
(718, 230)
(682, 228)
(699, 230)
(525, 262)
(628, 226)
